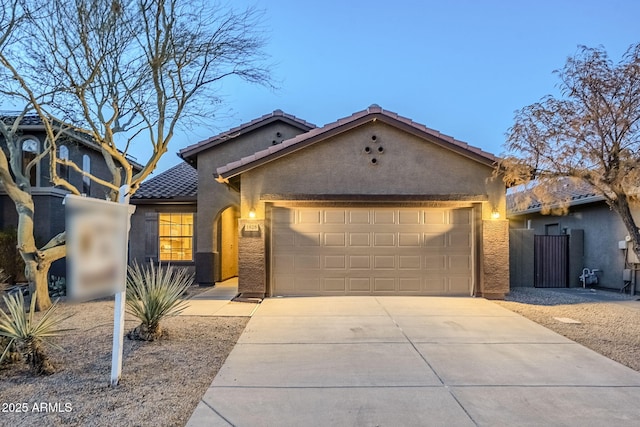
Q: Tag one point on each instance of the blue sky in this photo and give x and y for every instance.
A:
(461, 67)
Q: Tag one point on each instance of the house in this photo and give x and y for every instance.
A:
(593, 234)
(49, 211)
(371, 204)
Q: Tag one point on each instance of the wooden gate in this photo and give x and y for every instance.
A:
(551, 261)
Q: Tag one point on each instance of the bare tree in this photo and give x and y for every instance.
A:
(127, 72)
(590, 135)
(15, 177)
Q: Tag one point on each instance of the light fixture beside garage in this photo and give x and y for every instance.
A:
(252, 214)
(495, 214)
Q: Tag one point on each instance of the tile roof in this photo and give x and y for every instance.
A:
(8, 117)
(179, 182)
(79, 134)
(356, 119)
(566, 192)
(244, 128)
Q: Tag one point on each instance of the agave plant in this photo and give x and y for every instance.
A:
(153, 293)
(28, 335)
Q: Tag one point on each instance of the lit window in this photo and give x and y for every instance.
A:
(63, 170)
(30, 150)
(175, 236)
(86, 181)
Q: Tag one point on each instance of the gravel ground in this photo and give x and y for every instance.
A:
(609, 321)
(161, 382)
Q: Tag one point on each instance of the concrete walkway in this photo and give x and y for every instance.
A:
(412, 361)
(217, 302)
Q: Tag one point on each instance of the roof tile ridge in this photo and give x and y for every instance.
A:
(438, 134)
(229, 132)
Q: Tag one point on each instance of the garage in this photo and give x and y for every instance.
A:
(371, 204)
(371, 251)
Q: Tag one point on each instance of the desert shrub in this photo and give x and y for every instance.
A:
(28, 335)
(10, 260)
(57, 286)
(154, 293)
(3, 280)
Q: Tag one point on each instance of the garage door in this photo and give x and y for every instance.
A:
(371, 251)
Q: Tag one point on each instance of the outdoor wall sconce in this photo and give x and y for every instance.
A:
(252, 214)
(495, 215)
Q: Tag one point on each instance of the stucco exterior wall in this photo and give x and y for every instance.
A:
(214, 197)
(406, 166)
(342, 165)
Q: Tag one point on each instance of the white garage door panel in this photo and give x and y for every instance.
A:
(371, 251)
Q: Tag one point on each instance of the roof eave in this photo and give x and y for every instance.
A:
(577, 202)
(164, 200)
(188, 153)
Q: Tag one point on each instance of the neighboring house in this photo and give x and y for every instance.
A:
(372, 204)
(49, 210)
(593, 232)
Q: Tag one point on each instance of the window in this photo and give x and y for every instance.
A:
(176, 236)
(30, 150)
(63, 170)
(86, 181)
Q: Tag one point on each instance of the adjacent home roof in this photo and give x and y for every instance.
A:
(176, 184)
(567, 192)
(33, 122)
(374, 112)
(190, 153)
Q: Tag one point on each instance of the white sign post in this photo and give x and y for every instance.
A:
(97, 242)
(119, 306)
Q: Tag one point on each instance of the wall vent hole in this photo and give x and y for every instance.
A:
(373, 138)
(374, 161)
(367, 149)
(380, 149)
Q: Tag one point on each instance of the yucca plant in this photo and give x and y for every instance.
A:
(8, 351)
(153, 293)
(29, 335)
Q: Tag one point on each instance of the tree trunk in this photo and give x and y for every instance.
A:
(37, 274)
(621, 205)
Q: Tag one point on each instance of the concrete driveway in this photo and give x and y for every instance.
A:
(412, 361)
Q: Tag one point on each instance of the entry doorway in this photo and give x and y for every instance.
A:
(228, 243)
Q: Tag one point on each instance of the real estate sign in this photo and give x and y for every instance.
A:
(97, 238)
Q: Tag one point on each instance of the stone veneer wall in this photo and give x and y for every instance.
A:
(251, 263)
(495, 259)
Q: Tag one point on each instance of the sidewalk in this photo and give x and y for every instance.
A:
(217, 302)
